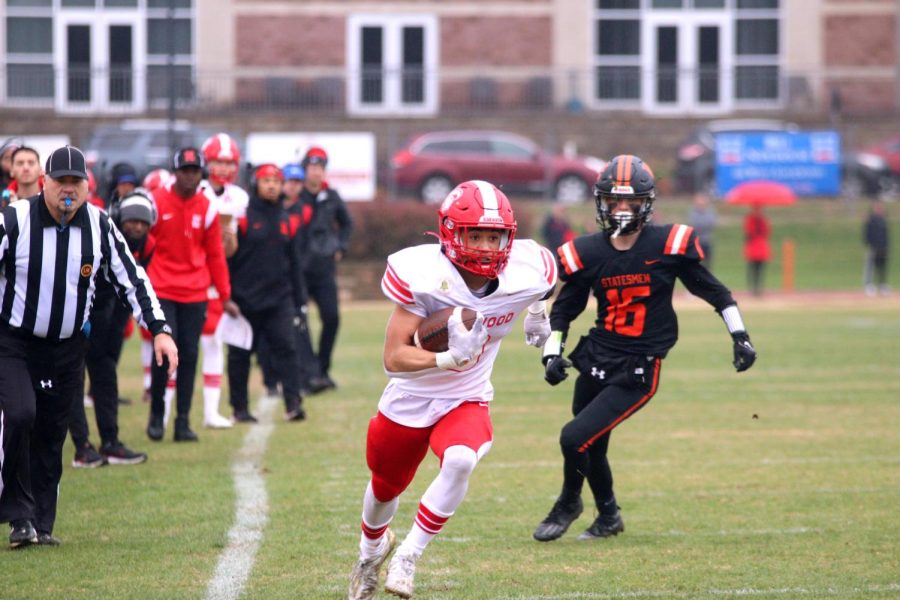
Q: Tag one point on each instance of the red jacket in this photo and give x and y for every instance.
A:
(189, 252)
(756, 238)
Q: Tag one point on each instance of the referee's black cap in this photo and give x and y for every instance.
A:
(64, 161)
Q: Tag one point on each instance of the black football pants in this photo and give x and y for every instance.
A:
(39, 382)
(186, 320)
(599, 406)
(307, 364)
(104, 347)
(321, 284)
(275, 326)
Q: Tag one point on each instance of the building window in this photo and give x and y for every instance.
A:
(392, 64)
(757, 51)
(165, 29)
(29, 57)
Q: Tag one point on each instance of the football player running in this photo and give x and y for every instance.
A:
(630, 267)
(440, 400)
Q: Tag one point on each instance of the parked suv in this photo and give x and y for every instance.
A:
(862, 173)
(432, 164)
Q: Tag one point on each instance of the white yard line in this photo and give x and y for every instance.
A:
(251, 509)
(816, 592)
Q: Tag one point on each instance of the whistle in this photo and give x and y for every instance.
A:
(68, 202)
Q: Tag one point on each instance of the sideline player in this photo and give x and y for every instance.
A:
(223, 159)
(441, 400)
(630, 267)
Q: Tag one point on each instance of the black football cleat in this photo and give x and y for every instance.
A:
(243, 416)
(21, 534)
(183, 432)
(604, 526)
(557, 522)
(48, 539)
(155, 427)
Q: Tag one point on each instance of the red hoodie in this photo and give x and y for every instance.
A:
(189, 252)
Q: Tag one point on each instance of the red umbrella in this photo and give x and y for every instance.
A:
(763, 193)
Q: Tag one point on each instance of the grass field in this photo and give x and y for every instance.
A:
(777, 483)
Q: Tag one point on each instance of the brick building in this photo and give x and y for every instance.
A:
(422, 58)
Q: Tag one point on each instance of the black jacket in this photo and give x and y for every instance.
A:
(329, 227)
(266, 270)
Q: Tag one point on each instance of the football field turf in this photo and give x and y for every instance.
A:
(780, 482)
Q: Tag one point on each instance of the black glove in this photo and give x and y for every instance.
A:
(555, 369)
(744, 353)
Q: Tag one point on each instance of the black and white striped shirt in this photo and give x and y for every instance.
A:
(48, 273)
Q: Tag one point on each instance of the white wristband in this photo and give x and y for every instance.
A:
(554, 344)
(538, 308)
(733, 321)
(445, 360)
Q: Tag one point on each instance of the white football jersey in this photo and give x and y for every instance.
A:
(423, 281)
(232, 201)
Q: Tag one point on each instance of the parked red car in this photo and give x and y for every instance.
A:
(432, 164)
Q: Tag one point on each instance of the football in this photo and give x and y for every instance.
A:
(432, 333)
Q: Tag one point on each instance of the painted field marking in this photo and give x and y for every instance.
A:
(251, 509)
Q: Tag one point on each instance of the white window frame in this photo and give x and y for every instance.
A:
(100, 21)
(687, 20)
(688, 24)
(392, 26)
(23, 58)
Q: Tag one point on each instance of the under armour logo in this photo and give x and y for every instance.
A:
(46, 384)
(598, 373)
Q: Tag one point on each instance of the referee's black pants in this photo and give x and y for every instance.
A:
(603, 398)
(275, 326)
(186, 320)
(39, 382)
(104, 347)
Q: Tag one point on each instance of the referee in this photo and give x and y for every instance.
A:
(51, 248)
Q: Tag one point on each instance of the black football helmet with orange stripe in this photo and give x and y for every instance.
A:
(626, 177)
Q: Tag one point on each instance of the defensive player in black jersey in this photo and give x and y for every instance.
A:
(630, 267)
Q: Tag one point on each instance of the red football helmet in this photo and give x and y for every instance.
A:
(222, 157)
(476, 205)
(156, 178)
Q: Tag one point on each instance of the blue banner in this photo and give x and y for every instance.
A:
(807, 162)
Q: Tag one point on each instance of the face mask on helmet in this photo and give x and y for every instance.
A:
(624, 195)
(222, 157)
(477, 205)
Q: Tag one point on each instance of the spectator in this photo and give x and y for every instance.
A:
(876, 238)
(556, 228)
(756, 247)
(26, 173)
(189, 256)
(440, 400)
(306, 358)
(41, 340)
(326, 236)
(703, 218)
(267, 279)
(6, 177)
(123, 180)
(109, 316)
(630, 268)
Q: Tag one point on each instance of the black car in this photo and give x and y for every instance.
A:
(861, 173)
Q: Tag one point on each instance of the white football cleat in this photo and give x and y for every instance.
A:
(217, 421)
(400, 575)
(364, 576)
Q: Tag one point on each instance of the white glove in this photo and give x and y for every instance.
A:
(464, 345)
(537, 325)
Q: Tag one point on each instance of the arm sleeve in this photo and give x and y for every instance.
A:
(215, 255)
(345, 223)
(298, 282)
(703, 284)
(130, 280)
